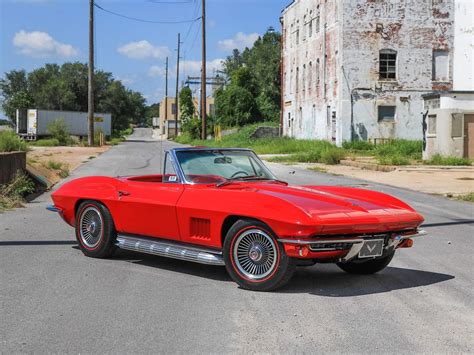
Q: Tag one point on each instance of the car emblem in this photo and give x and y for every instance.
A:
(371, 249)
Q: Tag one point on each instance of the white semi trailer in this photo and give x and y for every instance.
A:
(33, 123)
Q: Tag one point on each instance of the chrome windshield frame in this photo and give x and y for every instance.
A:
(182, 176)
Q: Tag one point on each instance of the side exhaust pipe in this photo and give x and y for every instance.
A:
(170, 250)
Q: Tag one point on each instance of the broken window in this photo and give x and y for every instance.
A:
(310, 76)
(317, 72)
(304, 78)
(386, 113)
(456, 125)
(297, 79)
(387, 64)
(310, 28)
(440, 65)
(316, 24)
(297, 36)
(432, 125)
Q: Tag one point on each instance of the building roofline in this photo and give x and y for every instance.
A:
(288, 6)
(448, 92)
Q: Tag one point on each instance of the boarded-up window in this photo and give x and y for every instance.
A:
(440, 65)
(387, 64)
(432, 124)
(386, 113)
(456, 125)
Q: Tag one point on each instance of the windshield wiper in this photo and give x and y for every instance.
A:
(249, 178)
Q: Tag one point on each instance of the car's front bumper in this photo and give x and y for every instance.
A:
(345, 248)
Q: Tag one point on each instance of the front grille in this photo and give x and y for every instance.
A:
(329, 246)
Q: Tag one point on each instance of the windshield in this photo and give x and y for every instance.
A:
(209, 166)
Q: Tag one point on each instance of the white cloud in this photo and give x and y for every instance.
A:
(187, 67)
(239, 41)
(41, 44)
(193, 67)
(143, 50)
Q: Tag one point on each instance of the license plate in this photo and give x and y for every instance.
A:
(371, 248)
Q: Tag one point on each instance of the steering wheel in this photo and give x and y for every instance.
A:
(239, 172)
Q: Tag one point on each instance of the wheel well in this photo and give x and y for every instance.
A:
(229, 222)
(76, 206)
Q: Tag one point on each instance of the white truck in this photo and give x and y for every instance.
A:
(33, 123)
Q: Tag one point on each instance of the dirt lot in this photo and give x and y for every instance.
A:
(429, 179)
(55, 163)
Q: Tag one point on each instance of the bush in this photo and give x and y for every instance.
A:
(20, 186)
(332, 156)
(54, 165)
(393, 160)
(438, 159)
(53, 142)
(400, 147)
(58, 130)
(358, 145)
(10, 142)
(467, 197)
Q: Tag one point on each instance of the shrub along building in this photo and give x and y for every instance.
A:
(357, 70)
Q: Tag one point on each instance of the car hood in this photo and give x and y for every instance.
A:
(342, 208)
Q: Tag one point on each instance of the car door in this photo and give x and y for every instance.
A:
(148, 208)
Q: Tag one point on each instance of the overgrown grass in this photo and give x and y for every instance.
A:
(11, 194)
(241, 139)
(438, 159)
(10, 142)
(52, 142)
(467, 197)
(62, 169)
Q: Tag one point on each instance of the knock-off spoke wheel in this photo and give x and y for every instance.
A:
(95, 231)
(91, 226)
(255, 254)
(254, 258)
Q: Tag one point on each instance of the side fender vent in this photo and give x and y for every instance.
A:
(200, 228)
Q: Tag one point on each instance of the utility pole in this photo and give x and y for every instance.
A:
(203, 73)
(90, 95)
(177, 87)
(166, 93)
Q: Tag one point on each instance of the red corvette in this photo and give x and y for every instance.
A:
(224, 207)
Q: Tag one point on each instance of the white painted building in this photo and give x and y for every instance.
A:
(449, 115)
(357, 69)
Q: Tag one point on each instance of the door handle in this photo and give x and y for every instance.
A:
(123, 193)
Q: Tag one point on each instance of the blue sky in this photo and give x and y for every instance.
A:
(35, 32)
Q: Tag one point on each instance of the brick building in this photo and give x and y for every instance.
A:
(357, 69)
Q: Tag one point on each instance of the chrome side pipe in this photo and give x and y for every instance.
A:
(170, 250)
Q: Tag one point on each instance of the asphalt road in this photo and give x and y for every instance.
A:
(54, 299)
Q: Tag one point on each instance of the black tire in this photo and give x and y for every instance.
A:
(95, 231)
(366, 267)
(250, 244)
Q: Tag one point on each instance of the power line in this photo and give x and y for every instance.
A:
(142, 20)
(171, 2)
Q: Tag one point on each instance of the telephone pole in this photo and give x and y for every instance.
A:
(177, 86)
(203, 73)
(166, 92)
(90, 94)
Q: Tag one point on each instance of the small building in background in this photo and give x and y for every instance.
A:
(357, 70)
(167, 119)
(448, 119)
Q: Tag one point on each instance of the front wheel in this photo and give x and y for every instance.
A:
(366, 267)
(254, 258)
(95, 231)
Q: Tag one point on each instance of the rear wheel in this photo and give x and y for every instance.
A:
(366, 267)
(95, 231)
(254, 258)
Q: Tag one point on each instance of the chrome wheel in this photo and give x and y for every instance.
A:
(90, 227)
(255, 254)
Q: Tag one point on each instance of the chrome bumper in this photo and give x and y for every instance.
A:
(355, 243)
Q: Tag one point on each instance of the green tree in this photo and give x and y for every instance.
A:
(190, 123)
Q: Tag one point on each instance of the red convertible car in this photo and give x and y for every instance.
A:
(224, 207)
